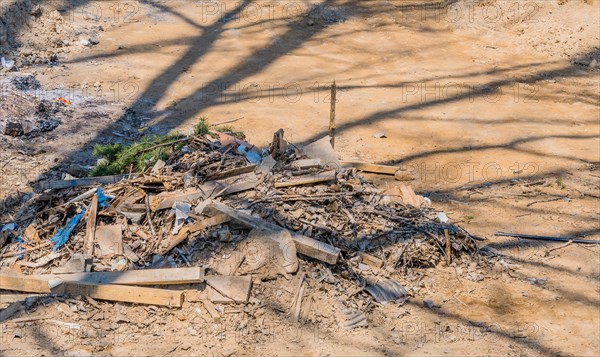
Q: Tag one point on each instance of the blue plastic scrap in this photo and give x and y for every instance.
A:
(102, 199)
(61, 237)
(251, 155)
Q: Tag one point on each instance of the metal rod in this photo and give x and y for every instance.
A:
(547, 238)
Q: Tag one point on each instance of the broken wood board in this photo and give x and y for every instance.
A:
(28, 284)
(42, 261)
(166, 200)
(233, 172)
(31, 235)
(308, 179)
(210, 189)
(229, 289)
(322, 149)
(170, 276)
(372, 168)
(371, 260)
(91, 181)
(174, 240)
(109, 240)
(305, 164)
(404, 194)
(304, 245)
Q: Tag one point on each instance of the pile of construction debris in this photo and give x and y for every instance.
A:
(221, 216)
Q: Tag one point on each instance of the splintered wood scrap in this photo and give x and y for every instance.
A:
(232, 172)
(90, 231)
(25, 251)
(298, 307)
(297, 300)
(229, 289)
(308, 179)
(212, 310)
(149, 216)
(371, 260)
(304, 245)
(372, 168)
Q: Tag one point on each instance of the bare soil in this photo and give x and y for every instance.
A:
(495, 117)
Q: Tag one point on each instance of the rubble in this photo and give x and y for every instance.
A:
(22, 114)
(233, 230)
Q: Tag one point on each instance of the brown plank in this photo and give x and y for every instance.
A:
(26, 283)
(103, 180)
(371, 260)
(372, 168)
(308, 179)
(174, 240)
(171, 276)
(233, 172)
(124, 293)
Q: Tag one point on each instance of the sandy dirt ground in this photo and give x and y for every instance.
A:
(492, 109)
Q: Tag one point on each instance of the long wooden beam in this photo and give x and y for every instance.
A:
(304, 245)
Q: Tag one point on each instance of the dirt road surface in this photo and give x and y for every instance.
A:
(492, 109)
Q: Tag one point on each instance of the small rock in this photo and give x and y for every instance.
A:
(7, 64)
(428, 303)
(537, 281)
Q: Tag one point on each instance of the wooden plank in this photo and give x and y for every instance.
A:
(90, 230)
(208, 222)
(170, 276)
(371, 260)
(229, 289)
(305, 164)
(91, 181)
(174, 240)
(308, 179)
(166, 200)
(211, 189)
(233, 172)
(372, 168)
(29, 284)
(124, 293)
(304, 245)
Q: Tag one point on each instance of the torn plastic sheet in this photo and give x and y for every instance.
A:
(61, 237)
(182, 213)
